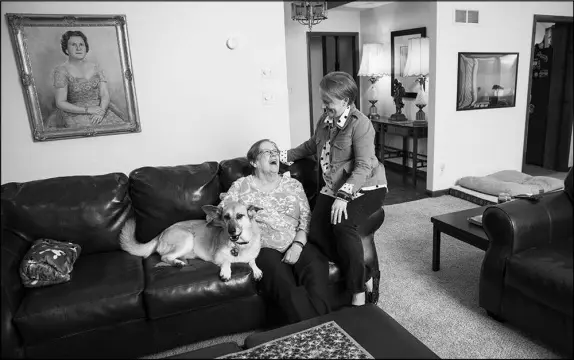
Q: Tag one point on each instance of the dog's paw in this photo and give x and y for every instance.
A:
(257, 274)
(179, 263)
(225, 274)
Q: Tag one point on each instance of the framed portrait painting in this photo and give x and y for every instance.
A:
(76, 74)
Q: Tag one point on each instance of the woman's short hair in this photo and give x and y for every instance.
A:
(340, 85)
(67, 35)
(255, 149)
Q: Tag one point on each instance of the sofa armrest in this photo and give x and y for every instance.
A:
(515, 226)
(14, 247)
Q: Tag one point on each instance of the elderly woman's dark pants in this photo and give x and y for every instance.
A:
(299, 290)
(342, 242)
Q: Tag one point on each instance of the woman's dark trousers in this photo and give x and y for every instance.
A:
(299, 290)
(342, 242)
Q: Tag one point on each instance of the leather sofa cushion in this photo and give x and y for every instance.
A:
(86, 210)
(105, 290)
(163, 196)
(231, 170)
(171, 290)
(545, 275)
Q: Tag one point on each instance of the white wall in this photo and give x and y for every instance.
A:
(198, 100)
(480, 142)
(376, 26)
(339, 20)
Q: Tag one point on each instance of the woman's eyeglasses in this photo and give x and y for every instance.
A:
(269, 152)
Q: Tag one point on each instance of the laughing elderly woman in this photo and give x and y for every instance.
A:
(295, 272)
(355, 181)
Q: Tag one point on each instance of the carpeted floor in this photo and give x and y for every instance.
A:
(439, 308)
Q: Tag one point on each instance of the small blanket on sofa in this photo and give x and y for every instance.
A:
(512, 182)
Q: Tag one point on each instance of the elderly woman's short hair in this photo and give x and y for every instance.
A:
(255, 149)
(67, 35)
(340, 85)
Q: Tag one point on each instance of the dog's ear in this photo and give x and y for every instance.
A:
(252, 210)
(213, 214)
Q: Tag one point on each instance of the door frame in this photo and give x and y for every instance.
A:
(355, 68)
(537, 18)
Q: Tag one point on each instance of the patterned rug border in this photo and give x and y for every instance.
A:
(245, 353)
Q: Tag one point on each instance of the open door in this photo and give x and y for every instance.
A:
(328, 52)
(549, 118)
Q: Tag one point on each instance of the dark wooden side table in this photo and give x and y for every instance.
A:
(407, 130)
(456, 224)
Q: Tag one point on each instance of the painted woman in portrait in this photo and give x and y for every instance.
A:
(81, 90)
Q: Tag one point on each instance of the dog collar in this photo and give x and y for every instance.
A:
(235, 251)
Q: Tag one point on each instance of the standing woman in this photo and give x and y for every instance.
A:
(81, 88)
(355, 181)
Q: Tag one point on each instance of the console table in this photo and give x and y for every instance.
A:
(405, 129)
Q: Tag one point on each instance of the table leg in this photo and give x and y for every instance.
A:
(405, 152)
(415, 150)
(435, 249)
(382, 145)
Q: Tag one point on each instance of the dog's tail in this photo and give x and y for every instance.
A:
(129, 243)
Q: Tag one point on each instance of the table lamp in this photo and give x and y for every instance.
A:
(418, 65)
(374, 67)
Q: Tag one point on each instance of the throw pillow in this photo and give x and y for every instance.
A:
(48, 262)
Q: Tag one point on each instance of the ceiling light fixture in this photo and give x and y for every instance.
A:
(309, 13)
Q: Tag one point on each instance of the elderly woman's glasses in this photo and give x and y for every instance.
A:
(269, 152)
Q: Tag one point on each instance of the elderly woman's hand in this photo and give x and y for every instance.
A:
(292, 254)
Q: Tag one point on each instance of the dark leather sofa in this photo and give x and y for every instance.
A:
(119, 305)
(526, 274)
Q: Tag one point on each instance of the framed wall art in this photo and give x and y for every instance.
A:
(486, 80)
(76, 74)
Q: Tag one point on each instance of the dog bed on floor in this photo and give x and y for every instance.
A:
(511, 182)
(474, 197)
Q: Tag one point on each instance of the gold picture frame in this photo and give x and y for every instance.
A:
(41, 45)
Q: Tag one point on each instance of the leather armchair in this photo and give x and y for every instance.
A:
(526, 274)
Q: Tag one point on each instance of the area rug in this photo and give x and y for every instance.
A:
(325, 341)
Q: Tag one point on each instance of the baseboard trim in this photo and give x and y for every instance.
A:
(437, 193)
(405, 169)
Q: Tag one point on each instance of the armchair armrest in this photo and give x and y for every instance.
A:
(521, 224)
(14, 247)
(515, 226)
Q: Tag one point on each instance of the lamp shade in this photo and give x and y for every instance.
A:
(418, 57)
(373, 62)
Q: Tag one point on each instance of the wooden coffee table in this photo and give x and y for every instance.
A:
(456, 225)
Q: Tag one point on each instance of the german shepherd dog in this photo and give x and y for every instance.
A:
(229, 235)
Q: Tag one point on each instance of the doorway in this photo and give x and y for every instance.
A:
(326, 52)
(549, 118)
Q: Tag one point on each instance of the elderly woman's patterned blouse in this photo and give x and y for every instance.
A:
(285, 210)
